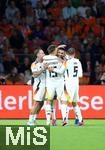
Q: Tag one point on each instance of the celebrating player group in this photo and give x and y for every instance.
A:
(56, 77)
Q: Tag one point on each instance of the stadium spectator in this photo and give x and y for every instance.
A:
(3, 40)
(45, 3)
(61, 37)
(37, 32)
(75, 43)
(69, 11)
(103, 1)
(22, 6)
(1, 67)
(98, 29)
(77, 27)
(86, 64)
(2, 80)
(16, 40)
(34, 3)
(99, 76)
(60, 23)
(29, 24)
(24, 28)
(11, 11)
(69, 31)
(99, 8)
(25, 65)
(62, 4)
(90, 19)
(81, 10)
(103, 79)
(17, 18)
(40, 11)
(102, 62)
(14, 77)
(55, 10)
(9, 61)
(30, 15)
(2, 8)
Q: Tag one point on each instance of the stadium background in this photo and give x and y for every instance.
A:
(28, 24)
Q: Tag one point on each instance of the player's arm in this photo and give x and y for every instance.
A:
(80, 70)
(36, 72)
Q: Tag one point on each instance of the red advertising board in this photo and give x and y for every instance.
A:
(16, 101)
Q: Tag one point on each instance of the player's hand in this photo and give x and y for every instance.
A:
(50, 69)
(45, 66)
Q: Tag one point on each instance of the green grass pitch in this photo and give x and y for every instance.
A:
(89, 137)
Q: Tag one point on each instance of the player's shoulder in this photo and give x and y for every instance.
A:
(78, 61)
(72, 61)
(33, 64)
(75, 60)
(47, 57)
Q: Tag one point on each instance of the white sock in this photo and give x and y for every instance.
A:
(63, 110)
(53, 113)
(59, 103)
(35, 117)
(48, 112)
(67, 114)
(31, 118)
(78, 113)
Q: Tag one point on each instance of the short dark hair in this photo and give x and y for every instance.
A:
(51, 48)
(71, 51)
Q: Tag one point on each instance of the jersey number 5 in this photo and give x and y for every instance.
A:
(75, 71)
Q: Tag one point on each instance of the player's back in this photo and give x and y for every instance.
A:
(52, 61)
(73, 71)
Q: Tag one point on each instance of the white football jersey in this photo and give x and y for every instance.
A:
(35, 67)
(72, 70)
(52, 61)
